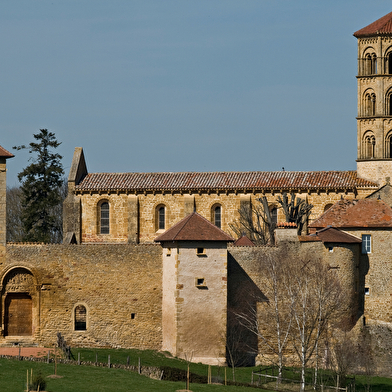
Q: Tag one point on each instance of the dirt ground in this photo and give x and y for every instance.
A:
(25, 351)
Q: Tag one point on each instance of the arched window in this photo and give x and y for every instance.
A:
(388, 63)
(388, 145)
(274, 215)
(327, 207)
(388, 103)
(80, 317)
(369, 145)
(370, 104)
(217, 216)
(160, 217)
(370, 64)
(104, 224)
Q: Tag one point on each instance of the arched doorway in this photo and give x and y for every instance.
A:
(17, 294)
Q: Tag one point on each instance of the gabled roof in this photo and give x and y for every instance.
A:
(223, 181)
(194, 227)
(356, 214)
(5, 154)
(379, 27)
(244, 241)
(331, 234)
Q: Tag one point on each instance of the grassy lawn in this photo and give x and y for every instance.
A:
(90, 378)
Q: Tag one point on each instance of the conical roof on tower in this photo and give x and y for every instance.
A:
(379, 27)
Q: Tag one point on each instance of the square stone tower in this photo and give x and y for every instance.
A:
(374, 121)
(194, 303)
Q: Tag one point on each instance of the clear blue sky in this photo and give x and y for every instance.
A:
(184, 85)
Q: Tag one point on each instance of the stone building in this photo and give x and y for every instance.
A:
(148, 260)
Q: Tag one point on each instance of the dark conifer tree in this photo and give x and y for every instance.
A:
(41, 188)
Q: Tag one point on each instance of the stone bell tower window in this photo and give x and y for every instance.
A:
(370, 104)
(369, 145)
(388, 63)
(370, 64)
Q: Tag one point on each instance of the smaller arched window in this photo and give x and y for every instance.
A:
(369, 145)
(80, 315)
(217, 216)
(370, 64)
(388, 103)
(327, 207)
(274, 215)
(370, 104)
(160, 217)
(388, 145)
(104, 221)
(388, 63)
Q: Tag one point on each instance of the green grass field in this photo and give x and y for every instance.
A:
(13, 374)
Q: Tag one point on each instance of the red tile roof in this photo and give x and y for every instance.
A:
(223, 181)
(194, 227)
(244, 241)
(5, 154)
(379, 27)
(356, 214)
(331, 234)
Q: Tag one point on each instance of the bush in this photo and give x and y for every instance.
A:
(38, 383)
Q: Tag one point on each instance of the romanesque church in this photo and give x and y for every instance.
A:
(148, 260)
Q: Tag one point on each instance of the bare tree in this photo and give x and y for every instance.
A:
(296, 210)
(15, 231)
(271, 321)
(316, 301)
(256, 222)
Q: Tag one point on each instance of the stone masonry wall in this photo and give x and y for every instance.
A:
(120, 286)
(142, 211)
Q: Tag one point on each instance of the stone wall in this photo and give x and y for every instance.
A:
(376, 272)
(133, 218)
(119, 285)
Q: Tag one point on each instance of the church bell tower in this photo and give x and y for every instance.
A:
(374, 121)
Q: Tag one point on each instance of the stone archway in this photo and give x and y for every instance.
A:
(17, 302)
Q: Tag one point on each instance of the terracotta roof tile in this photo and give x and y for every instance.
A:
(356, 213)
(379, 27)
(194, 227)
(331, 234)
(5, 154)
(244, 241)
(223, 180)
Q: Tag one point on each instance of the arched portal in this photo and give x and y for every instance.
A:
(17, 294)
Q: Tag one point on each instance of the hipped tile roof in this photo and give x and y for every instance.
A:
(379, 27)
(188, 181)
(244, 241)
(194, 227)
(331, 234)
(5, 154)
(356, 214)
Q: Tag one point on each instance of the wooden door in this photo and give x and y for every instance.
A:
(18, 315)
